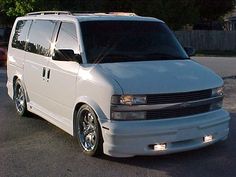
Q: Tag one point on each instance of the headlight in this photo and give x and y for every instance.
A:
(128, 115)
(219, 91)
(128, 99)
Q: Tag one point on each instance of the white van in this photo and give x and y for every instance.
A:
(120, 83)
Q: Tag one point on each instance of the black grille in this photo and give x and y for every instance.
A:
(170, 113)
(178, 97)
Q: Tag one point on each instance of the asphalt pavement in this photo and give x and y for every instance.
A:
(224, 66)
(30, 146)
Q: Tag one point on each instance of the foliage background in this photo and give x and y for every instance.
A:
(175, 12)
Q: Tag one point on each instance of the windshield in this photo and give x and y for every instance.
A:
(123, 41)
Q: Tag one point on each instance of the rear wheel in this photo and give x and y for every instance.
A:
(88, 131)
(20, 99)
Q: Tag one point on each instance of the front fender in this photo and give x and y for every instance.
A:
(97, 109)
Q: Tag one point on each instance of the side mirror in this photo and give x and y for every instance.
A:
(190, 51)
(66, 55)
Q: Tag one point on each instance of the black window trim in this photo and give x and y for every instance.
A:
(27, 36)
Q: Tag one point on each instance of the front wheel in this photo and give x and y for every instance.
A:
(20, 99)
(88, 131)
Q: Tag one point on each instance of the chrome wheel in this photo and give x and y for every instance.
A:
(20, 100)
(88, 130)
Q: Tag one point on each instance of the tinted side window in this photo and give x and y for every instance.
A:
(40, 37)
(67, 38)
(21, 31)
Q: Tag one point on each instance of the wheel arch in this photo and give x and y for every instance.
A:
(76, 109)
(14, 83)
(15, 78)
(95, 107)
(19, 77)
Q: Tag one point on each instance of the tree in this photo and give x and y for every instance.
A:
(6, 20)
(175, 12)
(211, 10)
(17, 7)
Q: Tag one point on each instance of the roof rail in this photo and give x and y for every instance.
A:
(80, 13)
(123, 13)
(104, 13)
(88, 13)
(50, 13)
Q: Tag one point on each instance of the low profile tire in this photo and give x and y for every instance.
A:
(88, 131)
(20, 99)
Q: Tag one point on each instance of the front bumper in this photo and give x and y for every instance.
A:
(131, 138)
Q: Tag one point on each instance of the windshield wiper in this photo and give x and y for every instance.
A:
(120, 57)
(113, 57)
(163, 56)
(117, 56)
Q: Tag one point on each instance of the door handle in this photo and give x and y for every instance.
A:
(44, 72)
(48, 75)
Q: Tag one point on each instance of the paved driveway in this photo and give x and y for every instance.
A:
(224, 66)
(32, 147)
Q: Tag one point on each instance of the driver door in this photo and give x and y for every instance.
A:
(62, 76)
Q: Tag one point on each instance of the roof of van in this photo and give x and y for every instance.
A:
(89, 16)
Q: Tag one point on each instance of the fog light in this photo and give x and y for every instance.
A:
(208, 138)
(160, 147)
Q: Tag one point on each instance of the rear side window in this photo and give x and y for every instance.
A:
(40, 37)
(21, 31)
(67, 38)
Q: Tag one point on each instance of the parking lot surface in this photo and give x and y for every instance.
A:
(30, 146)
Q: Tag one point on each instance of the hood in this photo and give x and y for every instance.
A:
(152, 77)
